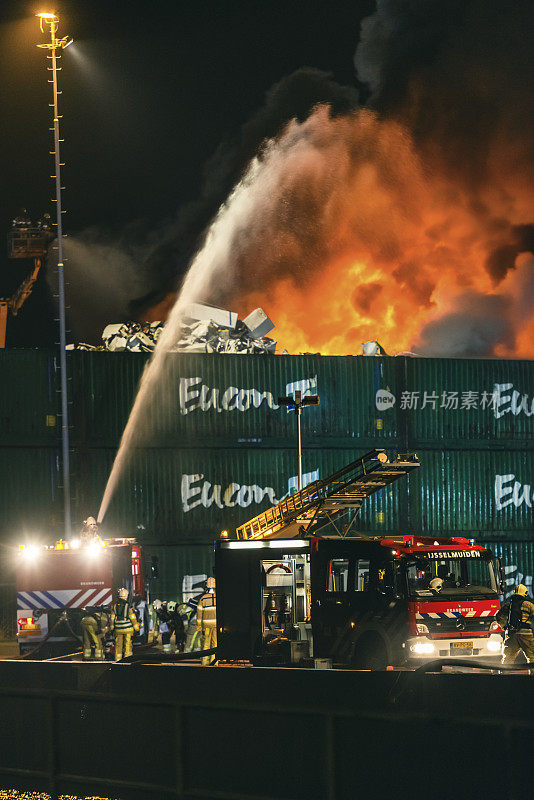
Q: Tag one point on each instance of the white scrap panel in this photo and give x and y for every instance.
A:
(197, 312)
(111, 330)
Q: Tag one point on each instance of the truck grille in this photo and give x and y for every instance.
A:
(458, 624)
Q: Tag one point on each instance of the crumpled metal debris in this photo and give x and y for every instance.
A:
(205, 330)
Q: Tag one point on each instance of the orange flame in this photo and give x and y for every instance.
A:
(357, 235)
(401, 243)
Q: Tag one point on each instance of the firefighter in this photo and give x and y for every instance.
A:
(189, 621)
(163, 624)
(516, 617)
(89, 532)
(124, 623)
(94, 628)
(207, 620)
(176, 625)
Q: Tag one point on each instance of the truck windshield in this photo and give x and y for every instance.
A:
(451, 577)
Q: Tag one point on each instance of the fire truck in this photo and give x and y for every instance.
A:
(58, 585)
(287, 594)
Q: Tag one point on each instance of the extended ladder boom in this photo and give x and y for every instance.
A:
(314, 506)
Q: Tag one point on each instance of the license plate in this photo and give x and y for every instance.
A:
(461, 645)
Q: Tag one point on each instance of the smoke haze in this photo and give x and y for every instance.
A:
(408, 219)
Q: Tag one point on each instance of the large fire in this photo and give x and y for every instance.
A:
(371, 241)
(344, 231)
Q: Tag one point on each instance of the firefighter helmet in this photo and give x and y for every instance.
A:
(156, 605)
(210, 583)
(123, 594)
(91, 522)
(436, 584)
(521, 589)
(171, 606)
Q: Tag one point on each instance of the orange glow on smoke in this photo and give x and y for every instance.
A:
(356, 234)
(408, 243)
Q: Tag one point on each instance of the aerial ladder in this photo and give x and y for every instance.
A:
(319, 503)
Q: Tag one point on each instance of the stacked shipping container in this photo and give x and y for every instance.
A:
(216, 449)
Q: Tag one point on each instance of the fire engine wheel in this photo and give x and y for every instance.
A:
(370, 653)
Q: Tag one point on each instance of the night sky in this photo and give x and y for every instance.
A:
(151, 93)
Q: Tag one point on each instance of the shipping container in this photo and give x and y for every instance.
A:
(472, 403)
(178, 568)
(475, 492)
(221, 450)
(231, 399)
(30, 498)
(190, 495)
(518, 560)
(390, 401)
(187, 495)
(28, 398)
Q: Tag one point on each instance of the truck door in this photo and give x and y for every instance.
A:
(331, 578)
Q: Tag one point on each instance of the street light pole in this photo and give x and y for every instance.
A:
(296, 404)
(52, 22)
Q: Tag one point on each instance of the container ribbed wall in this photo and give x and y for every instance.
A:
(232, 400)
(28, 398)
(217, 418)
(478, 493)
(191, 495)
(468, 402)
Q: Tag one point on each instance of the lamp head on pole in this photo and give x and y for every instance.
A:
(51, 19)
(47, 18)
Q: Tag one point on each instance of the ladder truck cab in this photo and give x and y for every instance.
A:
(359, 601)
(58, 585)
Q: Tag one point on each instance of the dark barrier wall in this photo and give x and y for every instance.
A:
(182, 732)
(218, 449)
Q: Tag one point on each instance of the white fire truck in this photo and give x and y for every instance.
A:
(353, 600)
(58, 585)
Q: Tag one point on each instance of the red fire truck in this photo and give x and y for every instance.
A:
(355, 600)
(58, 585)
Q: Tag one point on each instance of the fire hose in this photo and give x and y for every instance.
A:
(154, 658)
(63, 618)
(435, 666)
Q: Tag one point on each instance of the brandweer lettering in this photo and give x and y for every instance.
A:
(515, 493)
(196, 395)
(513, 403)
(198, 492)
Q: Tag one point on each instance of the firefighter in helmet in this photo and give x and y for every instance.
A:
(207, 620)
(163, 624)
(89, 532)
(516, 617)
(124, 623)
(94, 627)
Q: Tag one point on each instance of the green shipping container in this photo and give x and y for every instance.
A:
(191, 495)
(28, 399)
(397, 401)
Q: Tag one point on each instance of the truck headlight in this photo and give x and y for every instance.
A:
(495, 626)
(422, 648)
(495, 645)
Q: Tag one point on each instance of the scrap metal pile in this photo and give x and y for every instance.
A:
(204, 330)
